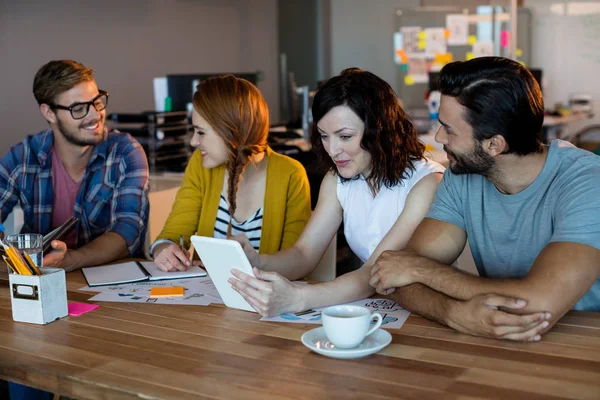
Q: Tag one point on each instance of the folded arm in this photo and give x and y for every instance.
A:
(129, 217)
(480, 312)
(562, 267)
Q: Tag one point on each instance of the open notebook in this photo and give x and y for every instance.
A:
(134, 271)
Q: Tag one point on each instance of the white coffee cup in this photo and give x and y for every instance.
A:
(347, 326)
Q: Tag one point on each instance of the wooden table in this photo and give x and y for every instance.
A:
(124, 351)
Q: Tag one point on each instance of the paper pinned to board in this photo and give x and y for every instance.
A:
(410, 38)
(398, 48)
(435, 41)
(483, 49)
(458, 29)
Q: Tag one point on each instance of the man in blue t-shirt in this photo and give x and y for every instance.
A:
(531, 213)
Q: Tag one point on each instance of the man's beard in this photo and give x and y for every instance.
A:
(476, 161)
(73, 138)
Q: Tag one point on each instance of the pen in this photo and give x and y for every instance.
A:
(181, 244)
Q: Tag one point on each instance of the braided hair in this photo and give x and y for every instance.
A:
(237, 111)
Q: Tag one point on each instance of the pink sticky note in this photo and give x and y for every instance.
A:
(504, 38)
(76, 309)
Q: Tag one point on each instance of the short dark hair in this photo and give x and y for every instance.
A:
(58, 76)
(389, 136)
(501, 97)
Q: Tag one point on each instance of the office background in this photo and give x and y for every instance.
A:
(129, 43)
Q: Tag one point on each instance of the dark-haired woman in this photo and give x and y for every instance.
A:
(379, 184)
(234, 183)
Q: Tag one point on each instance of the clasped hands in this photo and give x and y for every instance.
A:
(487, 315)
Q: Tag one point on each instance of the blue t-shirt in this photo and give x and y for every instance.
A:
(507, 232)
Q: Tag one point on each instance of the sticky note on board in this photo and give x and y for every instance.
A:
(469, 55)
(472, 40)
(422, 35)
(446, 33)
(443, 58)
(409, 80)
(404, 67)
(76, 309)
(421, 44)
(169, 291)
(402, 55)
(504, 39)
(519, 52)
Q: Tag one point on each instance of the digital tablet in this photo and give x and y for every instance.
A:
(219, 257)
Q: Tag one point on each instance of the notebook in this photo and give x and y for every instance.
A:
(134, 271)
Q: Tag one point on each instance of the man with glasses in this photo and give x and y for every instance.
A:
(76, 168)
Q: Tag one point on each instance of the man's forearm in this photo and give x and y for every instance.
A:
(104, 249)
(460, 284)
(424, 301)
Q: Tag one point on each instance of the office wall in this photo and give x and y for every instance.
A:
(565, 45)
(128, 43)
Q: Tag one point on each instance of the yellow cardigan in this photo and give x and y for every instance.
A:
(286, 209)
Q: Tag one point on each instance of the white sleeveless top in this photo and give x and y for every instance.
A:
(368, 219)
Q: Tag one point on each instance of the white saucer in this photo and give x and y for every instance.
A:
(317, 341)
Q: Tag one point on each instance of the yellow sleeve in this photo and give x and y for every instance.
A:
(185, 214)
(297, 210)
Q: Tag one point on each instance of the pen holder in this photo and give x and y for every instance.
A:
(39, 299)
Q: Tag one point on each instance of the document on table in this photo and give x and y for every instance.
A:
(392, 314)
(190, 299)
(198, 291)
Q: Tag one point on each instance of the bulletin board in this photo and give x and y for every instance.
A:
(429, 38)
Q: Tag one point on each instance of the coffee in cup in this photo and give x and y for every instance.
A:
(346, 326)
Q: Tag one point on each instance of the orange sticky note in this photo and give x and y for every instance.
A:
(443, 58)
(446, 33)
(403, 57)
(170, 291)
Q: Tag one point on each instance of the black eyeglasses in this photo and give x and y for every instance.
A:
(80, 110)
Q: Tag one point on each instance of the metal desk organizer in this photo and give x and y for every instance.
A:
(39, 299)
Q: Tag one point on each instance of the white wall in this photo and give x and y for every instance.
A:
(128, 43)
(567, 49)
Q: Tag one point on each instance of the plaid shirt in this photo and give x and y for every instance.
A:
(113, 195)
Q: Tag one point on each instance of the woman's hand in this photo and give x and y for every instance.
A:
(269, 293)
(252, 255)
(170, 257)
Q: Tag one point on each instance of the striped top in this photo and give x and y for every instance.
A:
(252, 227)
